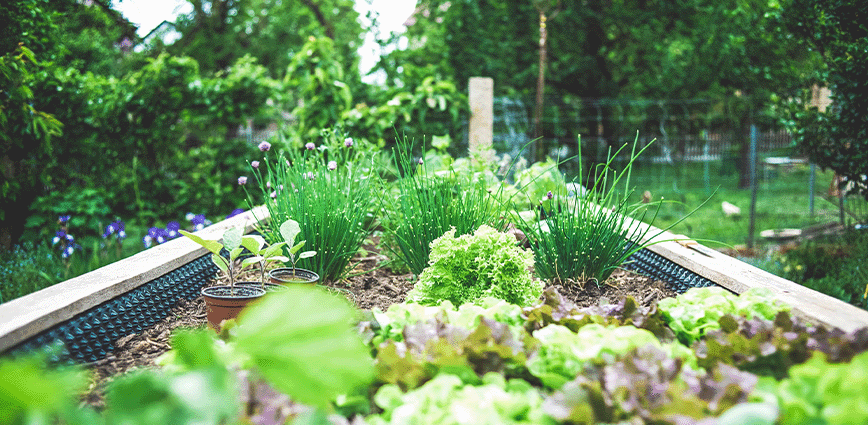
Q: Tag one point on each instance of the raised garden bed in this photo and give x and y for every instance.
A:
(136, 323)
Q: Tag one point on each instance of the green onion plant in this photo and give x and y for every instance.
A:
(428, 204)
(578, 238)
(329, 193)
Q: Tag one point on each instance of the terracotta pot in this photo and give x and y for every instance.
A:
(222, 304)
(286, 275)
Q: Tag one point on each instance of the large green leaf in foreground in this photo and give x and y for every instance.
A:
(302, 342)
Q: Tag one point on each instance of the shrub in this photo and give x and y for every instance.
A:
(471, 267)
(28, 268)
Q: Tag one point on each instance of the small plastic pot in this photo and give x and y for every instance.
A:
(269, 286)
(288, 275)
(222, 303)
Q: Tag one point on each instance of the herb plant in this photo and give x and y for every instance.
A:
(469, 268)
(580, 239)
(428, 205)
(331, 202)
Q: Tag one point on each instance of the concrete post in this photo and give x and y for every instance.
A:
(481, 128)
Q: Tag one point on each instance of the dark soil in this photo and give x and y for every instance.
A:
(370, 286)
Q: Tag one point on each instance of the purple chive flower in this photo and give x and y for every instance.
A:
(333, 165)
(242, 180)
(268, 185)
(550, 195)
(254, 164)
(264, 146)
(310, 146)
(421, 161)
(348, 142)
(274, 195)
(235, 212)
(63, 219)
(309, 175)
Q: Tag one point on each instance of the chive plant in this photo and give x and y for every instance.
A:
(330, 200)
(580, 239)
(428, 205)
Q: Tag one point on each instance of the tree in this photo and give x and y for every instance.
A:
(645, 49)
(837, 139)
(218, 32)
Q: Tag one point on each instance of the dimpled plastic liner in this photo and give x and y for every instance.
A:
(90, 336)
(658, 267)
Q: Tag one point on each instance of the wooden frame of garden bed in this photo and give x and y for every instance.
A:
(25, 317)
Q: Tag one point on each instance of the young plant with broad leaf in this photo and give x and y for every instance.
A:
(289, 230)
(232, 239)
(262, 253)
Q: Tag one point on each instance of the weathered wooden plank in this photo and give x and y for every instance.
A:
(25, 317)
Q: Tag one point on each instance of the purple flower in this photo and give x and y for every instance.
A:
(421, 161)
(333, 165)
(190, 216)
(348, 142)
(58, 236)
(242, 180)
(550, 195)
(67, 251)
(147, 241)
(268, 185)
(109, 230)
(171, 231)
(310, 146)
(199, 222)
(254, 164)
(63, 219)
(235, 212)
(274, 195)
(264, 146)
(120, 229)
(309, 175)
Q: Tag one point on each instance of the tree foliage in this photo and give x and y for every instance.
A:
(218, 32)
(837, 30)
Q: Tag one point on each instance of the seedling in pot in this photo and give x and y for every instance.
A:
(232, 242)
(289, 230)
(261, 253)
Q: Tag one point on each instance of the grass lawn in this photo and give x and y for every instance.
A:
(782, 200)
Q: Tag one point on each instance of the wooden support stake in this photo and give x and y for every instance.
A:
(481, 131)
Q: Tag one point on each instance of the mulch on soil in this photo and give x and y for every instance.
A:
(370, 286)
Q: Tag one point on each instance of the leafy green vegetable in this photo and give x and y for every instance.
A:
(434, 347)
(472, 267)
(392, 321)
(447, 400)
(302, 342)
(650, 385)
(556, 310)
(818, 392)
(770, 348)
(563, 354)
(699, 310)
